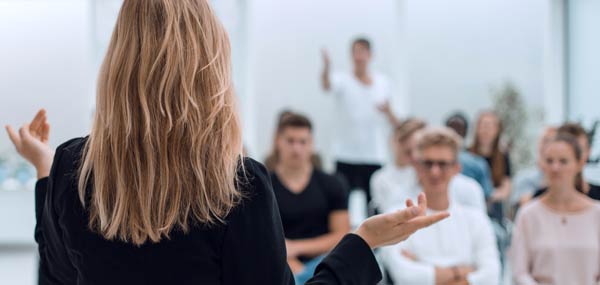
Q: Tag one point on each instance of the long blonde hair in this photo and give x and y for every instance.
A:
(165, 145)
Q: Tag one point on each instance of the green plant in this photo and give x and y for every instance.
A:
(512, 110)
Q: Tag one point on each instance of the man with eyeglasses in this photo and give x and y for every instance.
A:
(459, 250)
(397, 181)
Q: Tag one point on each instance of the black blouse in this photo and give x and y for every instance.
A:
(248, 249)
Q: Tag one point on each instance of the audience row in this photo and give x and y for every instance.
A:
(555, 239)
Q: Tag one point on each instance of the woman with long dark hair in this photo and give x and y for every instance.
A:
(159, 192)
(486, 144)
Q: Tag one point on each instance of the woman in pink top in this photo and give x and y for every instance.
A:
(556, 240)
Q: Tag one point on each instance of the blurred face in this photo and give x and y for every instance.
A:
(435, 167)
(487, 129)
(361, 55)
(559, 164)
(409, 148)
(295, 146)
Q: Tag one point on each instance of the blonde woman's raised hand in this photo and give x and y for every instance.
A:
(31, 142)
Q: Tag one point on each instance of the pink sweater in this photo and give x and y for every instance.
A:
(555, 248)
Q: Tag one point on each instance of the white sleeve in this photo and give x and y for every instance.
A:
(487, 261)
(387, 88)
(468, 193)
(378, 190)
(336, 80)
(405, 271)
(478, 199)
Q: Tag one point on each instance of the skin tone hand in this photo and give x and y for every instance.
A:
(326, 60)
(392, 228)
(325, 82)
(295, 265)
(386, 110)
(409, 255)
(454, 275)
(31, 142)
(384, 107)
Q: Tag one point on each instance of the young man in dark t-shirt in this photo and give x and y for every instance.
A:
(313, 205)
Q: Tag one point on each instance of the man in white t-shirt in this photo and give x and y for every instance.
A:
(388, 183)
(459, 250)
(363, 116)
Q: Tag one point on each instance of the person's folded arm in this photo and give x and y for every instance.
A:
(406, 271)
(487, 260)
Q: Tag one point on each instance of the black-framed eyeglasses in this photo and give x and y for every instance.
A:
(442, 164)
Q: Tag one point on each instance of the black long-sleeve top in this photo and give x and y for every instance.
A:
(249, 248)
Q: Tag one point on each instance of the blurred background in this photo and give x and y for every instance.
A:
(536, 60)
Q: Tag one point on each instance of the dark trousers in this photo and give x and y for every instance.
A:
(357, 175)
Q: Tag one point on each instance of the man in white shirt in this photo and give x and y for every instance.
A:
(363, 116)
(396, 182)
(461, 249)
(389, 184)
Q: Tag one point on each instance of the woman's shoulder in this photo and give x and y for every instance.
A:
(67, 157)
(257, 196)
(73, 146)
(253, 178)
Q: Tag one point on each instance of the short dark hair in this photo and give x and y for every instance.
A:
(293, 120)
(459, 123)
(362, 41)
(574, 129)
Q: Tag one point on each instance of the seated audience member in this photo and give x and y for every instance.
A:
(577, 131)
(472, 165)
(313, 205)
(528, 181)
(271, 159)
(556, 239)
(385, 181)
(459, 250)
(487, 144)
(392, 190)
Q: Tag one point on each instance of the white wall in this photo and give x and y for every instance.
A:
(284, 46)
(45, 61)
(459, 50)
(442, 55)
(584, 60)
(584, 69)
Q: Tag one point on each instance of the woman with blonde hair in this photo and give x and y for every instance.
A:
(159, 193)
